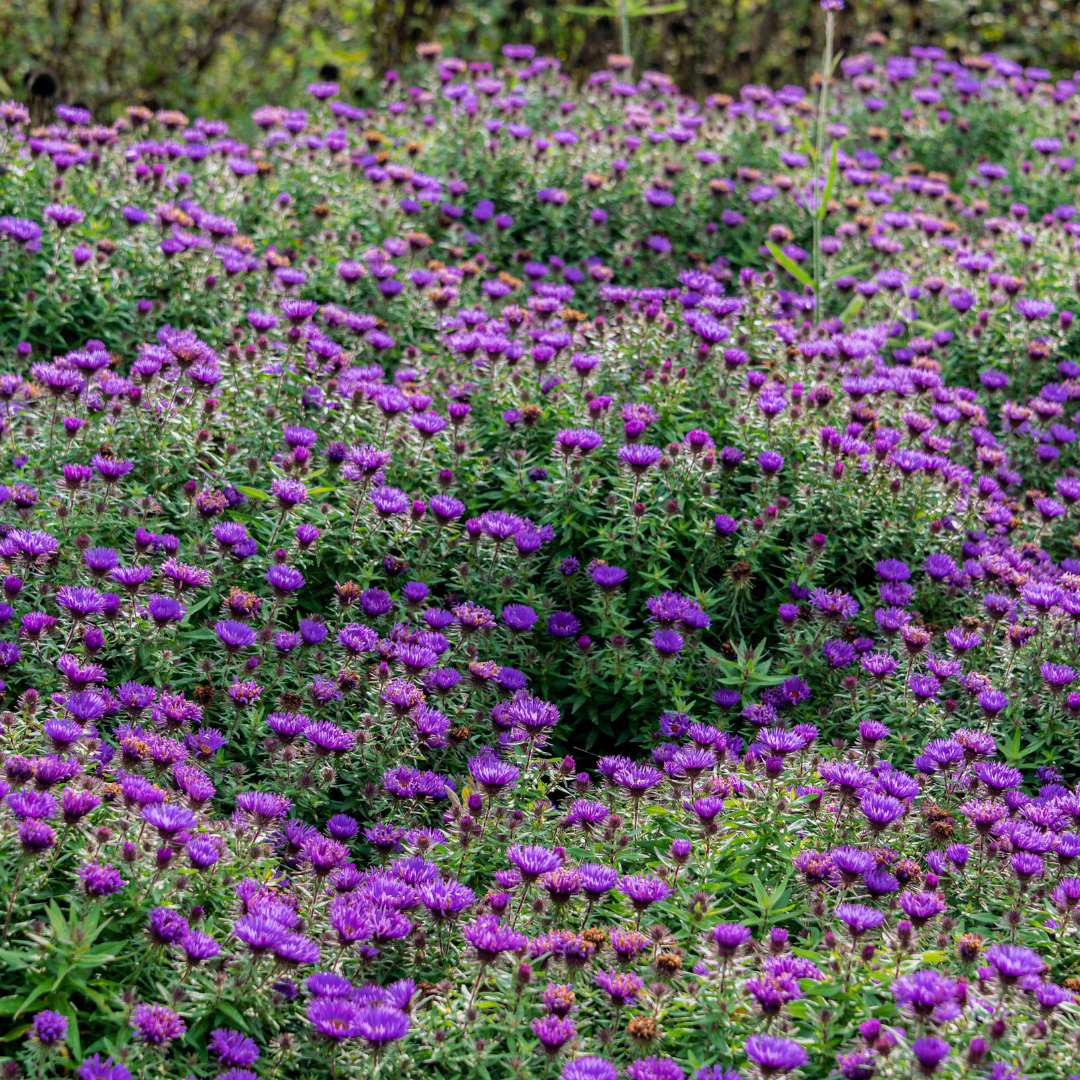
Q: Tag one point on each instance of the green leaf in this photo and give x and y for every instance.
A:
(199, 605)
(73, 1040)
(854, 307)
(656, 9)
(34, 994)
(857, 268)
(807, 143)
(229, 1011)
(829, 184)
(778, 893)
(759, 891)
(792, 267)
(56, 919)
(253, 493)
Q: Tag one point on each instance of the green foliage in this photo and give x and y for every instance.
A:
(224, 57)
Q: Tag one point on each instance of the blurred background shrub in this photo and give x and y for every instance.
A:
(223, 57)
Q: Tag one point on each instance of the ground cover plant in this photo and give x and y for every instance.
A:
(533, 583)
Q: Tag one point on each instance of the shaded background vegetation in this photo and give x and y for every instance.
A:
(222, 57)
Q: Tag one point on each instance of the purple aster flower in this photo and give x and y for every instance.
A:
(1050, 996)
(163, 610)
(284, 579)
(28, 805)
(608, 578)
(111, 469)
(327, 738)
(132, 578)
(729, 938)
(623, 988)
(667, 643)
(871, 732)
(335, 1018)
(328, 984)
(563, 624)
(1013, 962)
(35, 836)
(100, 560)
(930, 1052)
(165, 926)
(63, 734)
(727, 699)
(532, 860)
(963, 640)
(655, 1068)
(389, 501)
(589, 1068)
(880, 883)
(444, 899)
(627, 944)
(1057, 676)
(100, 879)
(259, 932)
(378, 1024)
(773, 991)
(645, 889)
(596, 880)
(923, 991)
(838, 653)
(1031, 309)
(445, 509)
(893, 570)
(834, 605)
(292, 950)
(168, 819)
(858, 1065)
(639, 457)
(202, 853)
(553, 1031)
(492, 774)
(881, 810)
(638, 779)
(489, 938)
(93, 1068)
(858, 918)
(879, 665)
(997, 776)
(852, 862)
(263, 807)
(532, 714)
(357, 639)
(774, 1055)
(233, 1047)
(924, 687)
(770, 462)
(921, 907)
(234, 636)
(64, 215)
(80, 601)
(156, 1024)
(48, 1027)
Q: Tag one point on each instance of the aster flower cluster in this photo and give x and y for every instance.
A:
(499, 602)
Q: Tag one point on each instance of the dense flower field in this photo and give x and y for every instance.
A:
(537, 582)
